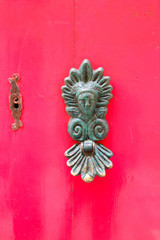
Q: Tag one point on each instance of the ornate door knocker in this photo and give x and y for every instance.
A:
(86, 94)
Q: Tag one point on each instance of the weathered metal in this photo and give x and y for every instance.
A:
(15, 101)
(86, 94)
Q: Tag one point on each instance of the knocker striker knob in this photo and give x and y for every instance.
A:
(88, 146)
(86, 94)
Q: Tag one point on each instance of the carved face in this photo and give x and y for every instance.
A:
(87, 103)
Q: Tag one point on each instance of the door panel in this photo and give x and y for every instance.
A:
(36, 186)
(39, 198)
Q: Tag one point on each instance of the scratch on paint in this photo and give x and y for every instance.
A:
(131, 134)
(74, 24)
(22, 47)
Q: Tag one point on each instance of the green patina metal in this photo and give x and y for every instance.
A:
(86, 94)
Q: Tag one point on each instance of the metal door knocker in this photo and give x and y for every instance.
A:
(86, 94)
(15, 101)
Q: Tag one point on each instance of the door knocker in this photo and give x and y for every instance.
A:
(86, 94)
(15, 101)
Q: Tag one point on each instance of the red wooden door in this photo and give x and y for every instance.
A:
(39, 198)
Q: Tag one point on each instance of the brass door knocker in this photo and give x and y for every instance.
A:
(86, 94)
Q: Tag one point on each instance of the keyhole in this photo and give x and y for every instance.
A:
(16, 105)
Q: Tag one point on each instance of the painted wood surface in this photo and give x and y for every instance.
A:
(42, 40)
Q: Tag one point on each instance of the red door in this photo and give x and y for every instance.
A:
(39, 198)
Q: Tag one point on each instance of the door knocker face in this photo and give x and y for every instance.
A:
(86, 95)
(87, 103)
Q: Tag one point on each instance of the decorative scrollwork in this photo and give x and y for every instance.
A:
(86, 94)
(77, 129)
(98, 129)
